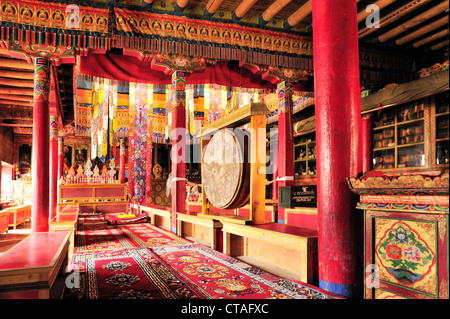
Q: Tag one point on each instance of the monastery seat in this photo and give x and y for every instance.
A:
(18, 215)
(34, 268)
(4, 221)
(284, 250)
(158, 217)
(66, 220)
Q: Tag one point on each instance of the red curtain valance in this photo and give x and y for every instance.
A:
(131, 69)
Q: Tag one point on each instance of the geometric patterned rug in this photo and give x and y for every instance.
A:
(142, 261)
(148, 235)
(100, 236)
(223, 277)
(127, 274)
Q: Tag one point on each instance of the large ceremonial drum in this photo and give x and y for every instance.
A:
(226, 170)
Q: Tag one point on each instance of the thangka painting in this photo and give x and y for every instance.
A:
(104, 121)
(405, 252)
(141, 100)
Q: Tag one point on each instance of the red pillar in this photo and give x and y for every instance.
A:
(366, 143)
(275, 170)
(178, 146)
(53, 166)
(122, 162)
(285, 172)
(338, 113)
(60, 157)
(41, 136)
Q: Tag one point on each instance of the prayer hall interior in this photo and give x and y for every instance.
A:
(216, 149)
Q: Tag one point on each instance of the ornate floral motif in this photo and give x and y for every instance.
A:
(404, 254)
(116, 265)
(122, 280)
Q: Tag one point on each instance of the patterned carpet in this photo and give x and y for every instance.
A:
(142, 261)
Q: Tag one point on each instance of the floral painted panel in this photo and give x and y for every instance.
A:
(405, 252)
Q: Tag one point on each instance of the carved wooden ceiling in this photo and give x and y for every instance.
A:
(418, 27)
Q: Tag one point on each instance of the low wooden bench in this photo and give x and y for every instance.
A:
(66, 220)
(199, 229)
(283, 250)
(158, 217)
(34, 268)
(18, 215)
(271, 211)
(4, 221)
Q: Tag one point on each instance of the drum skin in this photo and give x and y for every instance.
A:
(226, 170)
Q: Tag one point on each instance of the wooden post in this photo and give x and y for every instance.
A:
(285, 141)
(41, 137)
(338, 113)
(257, 169)
(178, 146)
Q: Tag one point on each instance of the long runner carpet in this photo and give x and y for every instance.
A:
(142, 261)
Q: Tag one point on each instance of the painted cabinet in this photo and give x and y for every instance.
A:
(406, 235)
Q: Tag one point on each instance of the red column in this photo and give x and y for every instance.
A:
(178, 146)
(338, 112)
(275, 170)
(53, 166)
(41, 136)
(122, 162)
(285, 141)
(60, 157)
(366, 143)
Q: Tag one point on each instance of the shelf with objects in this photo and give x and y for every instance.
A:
(305, 155)
(440, 117)
(398, 136)
(405, 199)
(300, 200)
(410, 125)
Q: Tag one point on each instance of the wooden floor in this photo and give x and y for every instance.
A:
(14, 236)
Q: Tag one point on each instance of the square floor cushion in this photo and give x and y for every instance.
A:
(123, 218)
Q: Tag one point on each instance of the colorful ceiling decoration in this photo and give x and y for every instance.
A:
(85, 28)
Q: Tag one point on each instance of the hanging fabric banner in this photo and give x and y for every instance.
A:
(141, 99)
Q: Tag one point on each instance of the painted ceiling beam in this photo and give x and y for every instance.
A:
(380, 3)
(16, 91)
(180, 5)
(16, 82)
(24, 98)
(242, 9)
(12, 102)
(440, 45)
(16, 64)
(422, 31)
(393, 16)
(272, 10)
(433, 37)
(425, 16)
(299, 15)
(211, 7)
(17, 74)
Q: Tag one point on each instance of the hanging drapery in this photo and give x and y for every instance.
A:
(216, 102)
(131, 69)
(104, 121)
(195, 108)
(141, 99)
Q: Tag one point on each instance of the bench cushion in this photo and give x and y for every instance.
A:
(123, 218)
